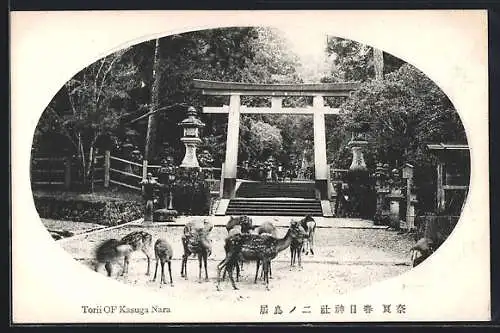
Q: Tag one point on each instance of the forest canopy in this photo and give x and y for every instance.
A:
(399, 113)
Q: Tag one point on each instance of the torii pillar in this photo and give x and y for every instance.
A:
(320, 164)
(233, 132)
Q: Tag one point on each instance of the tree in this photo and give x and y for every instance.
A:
(358, 62)
(89, 106)
(262, 140)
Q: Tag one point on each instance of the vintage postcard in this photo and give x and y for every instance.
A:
(249, 166)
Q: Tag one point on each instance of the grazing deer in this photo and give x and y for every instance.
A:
(421, 250)
(110, 252)
(138, 241)
(309, 226)
(252, 247)
(195, 240)
(163, 254)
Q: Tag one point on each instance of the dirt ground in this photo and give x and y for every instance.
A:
(345, 259)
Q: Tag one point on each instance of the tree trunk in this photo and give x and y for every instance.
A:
(152, 119)
(378, 63)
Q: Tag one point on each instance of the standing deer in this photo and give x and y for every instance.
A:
(309, 226)
(265, 229)
(245, 225)
(253, 247)
(195, 240)
(296, 247)
(163, 254)
(110, 252)
(138, 241)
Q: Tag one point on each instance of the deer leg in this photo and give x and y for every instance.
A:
(231, 276)
(311, 245)
(126, 261)
(266, 273)
(149, 259)
(224, 275)
(220, 266)
(156, 268)
(257, 271)
(270, 271)
(199, 267)
(163, 273)
(299, 257)
(184, 263)
(109, 268)
(170, 273)
(237, 272)
(205, 262)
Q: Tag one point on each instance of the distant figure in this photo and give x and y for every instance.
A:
(148, 186)
(280, 173)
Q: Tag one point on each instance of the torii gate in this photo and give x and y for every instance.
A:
(277, 92)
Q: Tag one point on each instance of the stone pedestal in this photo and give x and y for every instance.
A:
(358, 180)
(410, 213)
(190, 160)
(395, 198)
(165, 215)
(381, 213)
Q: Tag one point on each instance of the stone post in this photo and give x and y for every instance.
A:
(410, 208)
(395, 196)
(382, 190)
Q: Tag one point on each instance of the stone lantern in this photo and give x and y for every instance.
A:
(191, 138)
(358, 178)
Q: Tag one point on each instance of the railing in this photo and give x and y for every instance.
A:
(122, 172)
(107, 170)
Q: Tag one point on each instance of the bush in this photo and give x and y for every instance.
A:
(191, 193)
(105, 212)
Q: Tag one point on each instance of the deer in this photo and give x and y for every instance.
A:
(296, 247)
(244, 224)
(163, 254)
(309, 226)
(110, 252)
(138, 241)
(421, 250)
(265, 229)
(195, 240)
(252, 247)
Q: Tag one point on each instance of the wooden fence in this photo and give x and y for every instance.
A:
(108, 169)
(51, 171)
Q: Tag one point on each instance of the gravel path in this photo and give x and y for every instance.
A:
(71, 226)
(345, 259)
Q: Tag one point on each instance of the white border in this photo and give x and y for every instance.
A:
(48, 48)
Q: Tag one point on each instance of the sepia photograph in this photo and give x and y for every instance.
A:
(248, 169)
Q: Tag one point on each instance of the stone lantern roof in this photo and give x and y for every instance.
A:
(192, 119)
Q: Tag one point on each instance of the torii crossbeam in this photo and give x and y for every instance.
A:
(277, 92)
